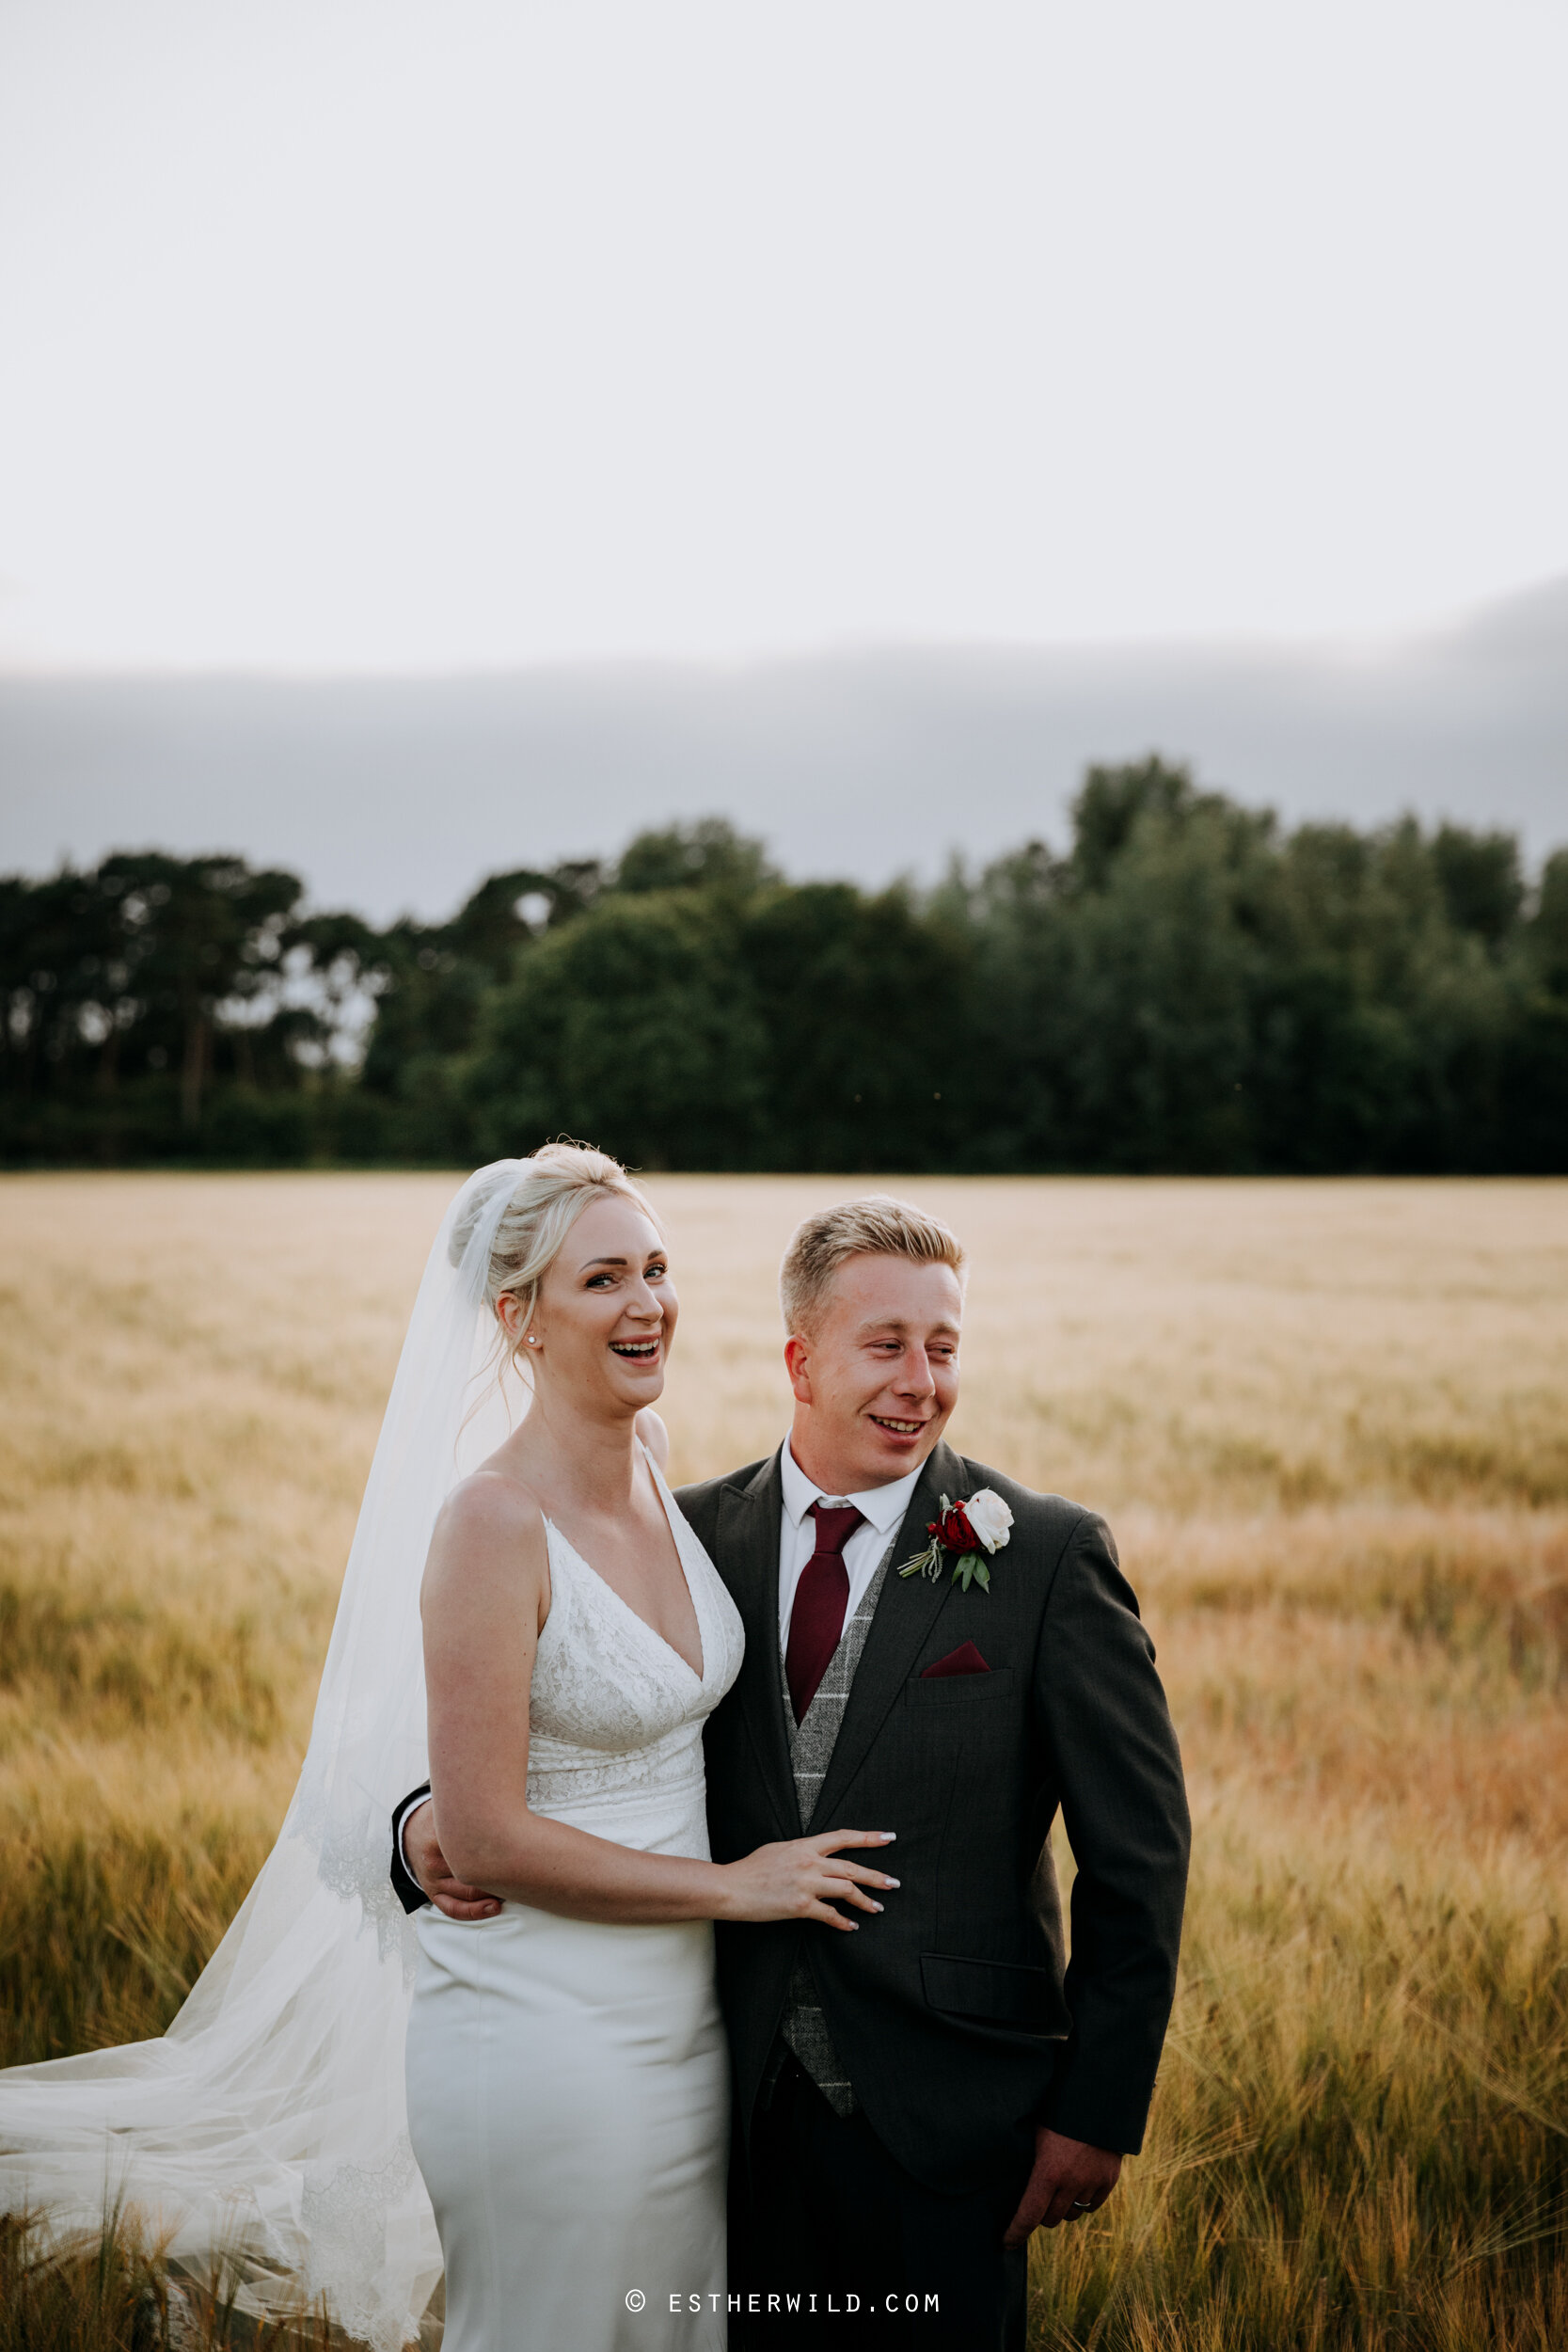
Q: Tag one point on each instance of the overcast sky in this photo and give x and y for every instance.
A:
(382, 335)
(401, 792)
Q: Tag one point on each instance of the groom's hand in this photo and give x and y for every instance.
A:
(422, 1850)
(1071, 2180)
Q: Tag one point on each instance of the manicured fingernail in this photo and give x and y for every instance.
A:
(887, 1836)
(889, 1881)
(876, 1906)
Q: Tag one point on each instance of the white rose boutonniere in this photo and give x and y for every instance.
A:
(966, 1531)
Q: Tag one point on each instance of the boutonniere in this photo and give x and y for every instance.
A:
(966, 1530)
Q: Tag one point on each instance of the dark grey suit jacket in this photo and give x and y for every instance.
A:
(957, 2013)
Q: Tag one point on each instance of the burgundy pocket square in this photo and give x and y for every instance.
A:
(965, 1659)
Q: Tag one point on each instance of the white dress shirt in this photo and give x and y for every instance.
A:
(882, 1509)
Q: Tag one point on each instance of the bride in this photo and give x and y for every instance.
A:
(567, 2086)
(564, 2075)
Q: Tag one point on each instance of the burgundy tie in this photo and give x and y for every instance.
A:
(821, 1598)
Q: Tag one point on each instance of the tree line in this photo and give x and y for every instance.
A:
(1189, 986)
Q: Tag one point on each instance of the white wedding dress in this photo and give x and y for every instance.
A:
(264, 2140)
(568, 2089)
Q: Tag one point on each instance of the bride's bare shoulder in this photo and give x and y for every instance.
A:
(488, 1520)
(651, 1429)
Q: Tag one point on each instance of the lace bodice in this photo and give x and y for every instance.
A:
(615, 1715)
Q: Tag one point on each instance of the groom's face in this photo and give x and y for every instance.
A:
(877, 1378)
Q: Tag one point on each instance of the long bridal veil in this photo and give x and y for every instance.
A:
(268, 2125)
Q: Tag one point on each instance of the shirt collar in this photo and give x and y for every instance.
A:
(884, 1506)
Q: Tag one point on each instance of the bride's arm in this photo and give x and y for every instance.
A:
(485, 1596)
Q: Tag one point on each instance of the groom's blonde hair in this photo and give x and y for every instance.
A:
(876, 1226)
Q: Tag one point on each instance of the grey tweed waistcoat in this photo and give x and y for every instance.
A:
(811, 1747)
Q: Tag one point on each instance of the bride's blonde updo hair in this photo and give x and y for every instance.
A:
(551, 1193)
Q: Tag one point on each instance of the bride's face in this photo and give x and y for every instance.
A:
(606, 1311)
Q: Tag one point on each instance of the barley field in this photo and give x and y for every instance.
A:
(1329, 1423)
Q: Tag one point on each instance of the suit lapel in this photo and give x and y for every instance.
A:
(907, 1608)
(747, 1550)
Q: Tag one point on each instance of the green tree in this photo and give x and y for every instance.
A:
(432, 982)
(1113, 805)
(135, 993)
(1188, 985)
(1117, 983)
(197, 933)
(630, 1028)
(865, 1005)
(1534, 1108)
(1479, 876)
(708, 855)
(1380, 1018)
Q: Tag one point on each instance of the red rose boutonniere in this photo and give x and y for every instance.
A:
(969, 1531)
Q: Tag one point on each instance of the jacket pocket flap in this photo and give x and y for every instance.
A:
(996, 1993)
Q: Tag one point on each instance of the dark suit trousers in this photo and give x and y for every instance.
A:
(831, 2214)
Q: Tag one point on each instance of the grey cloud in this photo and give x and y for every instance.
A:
(401, 792)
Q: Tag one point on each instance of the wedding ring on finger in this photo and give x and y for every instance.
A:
(1083, 2204)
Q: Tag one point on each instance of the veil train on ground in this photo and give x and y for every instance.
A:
(268, 2127)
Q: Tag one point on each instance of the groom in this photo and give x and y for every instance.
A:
(912, 2100)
